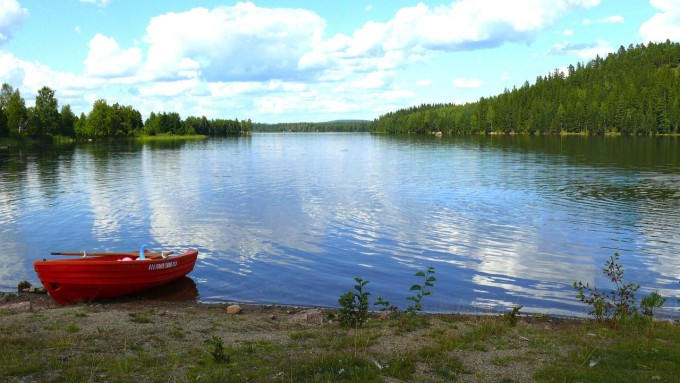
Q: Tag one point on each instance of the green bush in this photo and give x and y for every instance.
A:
(217, 349)
(354, 305)
(620, 303)
(422, 290)
(511, 316)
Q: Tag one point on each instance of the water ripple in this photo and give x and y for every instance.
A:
(292, 219)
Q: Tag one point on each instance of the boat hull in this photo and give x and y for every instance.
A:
(86, 279)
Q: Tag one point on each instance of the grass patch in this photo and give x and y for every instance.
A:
(332, 367)
(177, 333)
(303, 335)
(450, 368)
(401, 367)
(140, 317)
(627, 353)
(258, 349)
(350, 340)
(13, 363)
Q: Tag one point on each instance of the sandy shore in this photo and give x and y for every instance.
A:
(273, 343)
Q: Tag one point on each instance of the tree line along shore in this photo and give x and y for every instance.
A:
(634, 91)
(46, 121)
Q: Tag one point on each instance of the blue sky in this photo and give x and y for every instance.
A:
(307, 60)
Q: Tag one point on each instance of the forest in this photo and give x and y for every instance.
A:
(330, 126)
(46, 121)
(635, 91)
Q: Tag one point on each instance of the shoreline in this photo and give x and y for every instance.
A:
(145, 340)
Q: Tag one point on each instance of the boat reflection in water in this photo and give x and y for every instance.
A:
(181, 290)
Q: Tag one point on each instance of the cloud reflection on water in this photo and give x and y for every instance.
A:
(293, 218)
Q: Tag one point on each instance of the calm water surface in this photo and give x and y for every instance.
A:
(292, 218)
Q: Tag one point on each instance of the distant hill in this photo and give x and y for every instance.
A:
(633, 91)
(330, 126)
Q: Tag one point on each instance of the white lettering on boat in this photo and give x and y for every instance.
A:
(161, 266)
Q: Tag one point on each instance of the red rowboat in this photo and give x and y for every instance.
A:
(109, 275)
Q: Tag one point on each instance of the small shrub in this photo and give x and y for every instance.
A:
(177, 333)
(385, 306)
(140, 318)
(354, 305)
(217, 349)
(650, 302)
(511, 316)
(421, 290)
(620, 303)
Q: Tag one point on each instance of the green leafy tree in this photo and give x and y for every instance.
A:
(98, 121)
(47, 112)
(16, 113)
(152, 124)
(130, 120)
(5, 94)
(80, 127)
(67, 121)
(4, 130)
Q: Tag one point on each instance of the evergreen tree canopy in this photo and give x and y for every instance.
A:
(632, 91)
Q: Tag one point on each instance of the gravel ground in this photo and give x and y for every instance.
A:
(148, 322)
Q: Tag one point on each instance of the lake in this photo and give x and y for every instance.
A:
(293, 218)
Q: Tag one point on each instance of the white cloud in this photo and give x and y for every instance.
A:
(470, 24)
(461, 82)
(416, 32)
(29, 77)
(241, 42)
(231, 89)
(272, 63)
(11, 16)
(612, 19)
(280, 104)
(326, 104)
(568, 32)
(101, 3)
(107, 59)
(280, 60)
(169, 88)
(663, 25)
(373, 80)
(605, 20)
(12, 70)
(584, 51)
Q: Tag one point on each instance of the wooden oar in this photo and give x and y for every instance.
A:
(86, 254)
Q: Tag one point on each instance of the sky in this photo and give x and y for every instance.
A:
(307, 60)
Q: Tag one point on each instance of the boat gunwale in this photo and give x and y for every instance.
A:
(112, 259)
